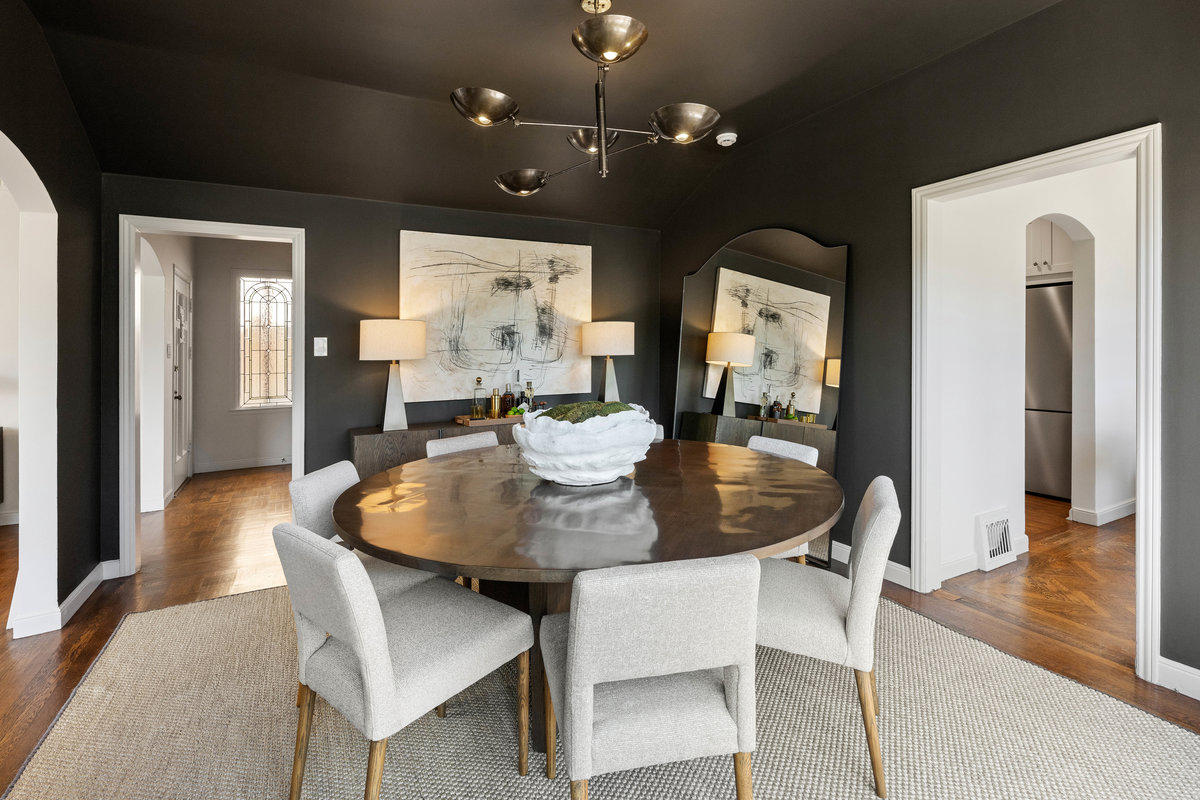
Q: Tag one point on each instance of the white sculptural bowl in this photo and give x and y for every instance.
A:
(597, 450)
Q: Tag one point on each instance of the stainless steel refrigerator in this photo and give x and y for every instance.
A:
(1048, 390)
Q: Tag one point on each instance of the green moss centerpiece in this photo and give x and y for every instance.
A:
(587, 443)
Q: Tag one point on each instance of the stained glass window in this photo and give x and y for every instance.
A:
(266, 342)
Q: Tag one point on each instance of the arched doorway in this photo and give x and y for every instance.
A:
(35, 606)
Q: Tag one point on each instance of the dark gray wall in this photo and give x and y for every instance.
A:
(352, 252)
(699, 298)
(37, 115)
(1078, 71)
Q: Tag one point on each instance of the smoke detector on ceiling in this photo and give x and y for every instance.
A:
(596, 6)
(726, 139)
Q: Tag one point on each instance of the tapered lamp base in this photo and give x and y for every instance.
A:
(394, 416)
(723, 404)
(609, 393)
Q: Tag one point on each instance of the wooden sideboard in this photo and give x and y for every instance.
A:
(737, 431)
(373, 450)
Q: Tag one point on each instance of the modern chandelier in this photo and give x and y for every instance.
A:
(605, 39)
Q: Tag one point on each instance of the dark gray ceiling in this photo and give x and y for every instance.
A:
(349, 97)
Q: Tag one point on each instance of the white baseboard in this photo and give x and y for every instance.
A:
(110, 569)
(81, 593)
(896, 573)
(32, 626)
(1179, 677)
(241, 463)
(1104, 515)
(9, 518)
(959, 566)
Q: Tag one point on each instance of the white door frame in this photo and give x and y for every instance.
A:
(131, 227)
(1143, 145)
(35, 607)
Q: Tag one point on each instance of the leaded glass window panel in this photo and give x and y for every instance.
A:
(266, 342)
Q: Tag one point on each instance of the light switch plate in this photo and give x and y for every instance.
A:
(320, 346)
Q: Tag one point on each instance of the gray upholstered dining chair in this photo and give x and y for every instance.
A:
(382, 662)
(313, 497)
(456, 444)
(659, 433)
(654, 663)
(816, 613)
(818, 547)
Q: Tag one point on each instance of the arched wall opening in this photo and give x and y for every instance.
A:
(35, 607)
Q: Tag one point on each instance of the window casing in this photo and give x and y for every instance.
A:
(265, 342)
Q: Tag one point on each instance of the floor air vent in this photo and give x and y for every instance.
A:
(994, 540)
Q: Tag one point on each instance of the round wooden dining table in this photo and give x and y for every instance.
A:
(483, 514)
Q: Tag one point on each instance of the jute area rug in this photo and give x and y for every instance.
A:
(197, 701)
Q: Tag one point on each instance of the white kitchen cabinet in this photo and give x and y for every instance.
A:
(1048, 248)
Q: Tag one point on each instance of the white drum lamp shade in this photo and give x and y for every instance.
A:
(733, 350)
(607, 339)
(833, 372)
(392, 340)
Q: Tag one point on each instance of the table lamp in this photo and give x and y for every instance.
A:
(607, 339)
(833, 372)
(732, 350)
(392, 340)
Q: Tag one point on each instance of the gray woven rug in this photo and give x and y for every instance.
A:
(197, 701)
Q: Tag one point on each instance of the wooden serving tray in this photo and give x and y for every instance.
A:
(465, 419)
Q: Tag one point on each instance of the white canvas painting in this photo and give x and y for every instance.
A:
(789, 325)
(495, 309)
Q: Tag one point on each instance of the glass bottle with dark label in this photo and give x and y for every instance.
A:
(494, 411)
(507, 400)
(528, 393)
(776, 409)
(478, 400)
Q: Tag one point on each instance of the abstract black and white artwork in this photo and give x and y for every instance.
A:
(505, 310)
(789, 325)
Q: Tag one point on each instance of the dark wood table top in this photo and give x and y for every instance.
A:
(483, 514)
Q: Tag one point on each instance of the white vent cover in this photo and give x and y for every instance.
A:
(994, 540)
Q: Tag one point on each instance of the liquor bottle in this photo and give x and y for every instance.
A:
(791, 407)
(478, 400)
(494, 411)
(776, 409)
(507, 400)
(529, 393)
(764, 409)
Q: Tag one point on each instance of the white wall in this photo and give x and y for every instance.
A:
(9, 231)
(165, 256)
(977, 324)
(226, 438)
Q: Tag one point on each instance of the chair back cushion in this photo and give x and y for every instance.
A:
(784, 449)
(875, 529)
(313, 497)
(456, 444)
(331, 594)
(661, 619)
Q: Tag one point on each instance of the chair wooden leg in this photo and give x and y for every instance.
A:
(523, 713)
(875, 695)
(375, 769)
(865, 699)
(441, 710)
(551, 725)
(303, 728)
(741, 776)
(475, 585)
(299, 693)
(578, 790)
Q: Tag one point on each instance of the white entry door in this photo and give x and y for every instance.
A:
(181, 383)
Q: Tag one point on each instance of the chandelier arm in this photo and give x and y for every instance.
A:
(520, 122)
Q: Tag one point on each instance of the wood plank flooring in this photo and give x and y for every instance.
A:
(213, 540)
(1067, 606)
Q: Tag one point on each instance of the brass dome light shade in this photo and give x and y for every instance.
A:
(522, 182)
(586, 140)
(610, 38)
(485, 107)
(684, 123)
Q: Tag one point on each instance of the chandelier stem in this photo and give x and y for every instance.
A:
(601, 120)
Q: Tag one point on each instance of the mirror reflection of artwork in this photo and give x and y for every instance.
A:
(493, 308)
(789, 325)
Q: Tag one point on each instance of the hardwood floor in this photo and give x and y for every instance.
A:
(213, 540)
(1067, 606)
